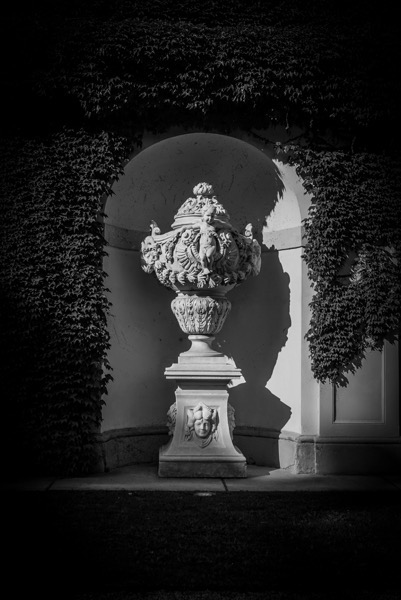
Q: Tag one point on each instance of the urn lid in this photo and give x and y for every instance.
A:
(194, 208)
(203, 250)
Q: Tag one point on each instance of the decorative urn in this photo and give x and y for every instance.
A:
(202, 258)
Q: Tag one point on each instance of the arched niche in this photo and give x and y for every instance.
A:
(264, 331)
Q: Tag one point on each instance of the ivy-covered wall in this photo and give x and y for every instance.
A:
(53, 305)
(82, 83)
(353, 256)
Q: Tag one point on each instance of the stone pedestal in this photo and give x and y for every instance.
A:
(202, 440)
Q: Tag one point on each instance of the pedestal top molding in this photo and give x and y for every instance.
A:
(203, 251)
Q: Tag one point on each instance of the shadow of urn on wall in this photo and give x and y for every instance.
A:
(202, 258)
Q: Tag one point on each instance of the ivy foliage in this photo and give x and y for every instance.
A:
(53, 302)
(314, 64)
(83, 77)
(353, 253)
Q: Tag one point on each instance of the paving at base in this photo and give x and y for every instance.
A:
(259, 479)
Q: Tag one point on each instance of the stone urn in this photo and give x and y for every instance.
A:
(202, 258)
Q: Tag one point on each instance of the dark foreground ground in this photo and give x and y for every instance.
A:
(115, 545)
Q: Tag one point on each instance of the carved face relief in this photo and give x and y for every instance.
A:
(202, 427)
(202, 424)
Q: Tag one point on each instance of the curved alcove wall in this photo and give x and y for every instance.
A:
(263, 333)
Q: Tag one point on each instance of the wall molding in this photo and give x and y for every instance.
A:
(285, 239)
(125, 239)
(130, 239)
(300, 454)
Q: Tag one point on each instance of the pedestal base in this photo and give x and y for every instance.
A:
(212, 466)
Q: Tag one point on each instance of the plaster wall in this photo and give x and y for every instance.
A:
(145, 339)
(369, 406)
(292, 378)
(285, 380)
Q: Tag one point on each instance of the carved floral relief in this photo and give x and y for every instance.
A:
(200, 314)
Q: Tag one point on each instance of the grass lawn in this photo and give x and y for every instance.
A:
(179, 545)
